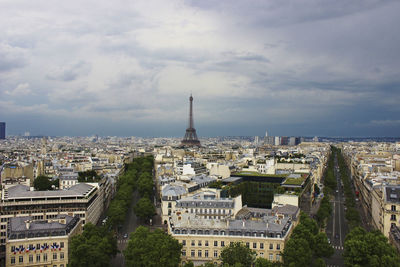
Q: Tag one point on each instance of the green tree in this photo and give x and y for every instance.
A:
(322, 247)
(146, 248)
(93, 248)
(237, 253)
(297, 252)
(362, 248)
(261, 262)
(319, 263)
(89, 176)
(144, 208)
(145, 185)
(42, 183)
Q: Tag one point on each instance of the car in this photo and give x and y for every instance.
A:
(337, 191)
(125, 236)
(329, 241)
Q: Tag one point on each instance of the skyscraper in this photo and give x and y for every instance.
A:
(190, 138)
(2, 130)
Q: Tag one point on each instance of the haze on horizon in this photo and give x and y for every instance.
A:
(127, 68)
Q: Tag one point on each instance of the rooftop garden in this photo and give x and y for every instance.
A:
(253, 173)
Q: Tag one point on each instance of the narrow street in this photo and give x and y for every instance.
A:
(337, 226)
(130, 224)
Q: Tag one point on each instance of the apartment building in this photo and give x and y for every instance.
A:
(385, 208)
(85, 201)
(33, 242)
(203, 239)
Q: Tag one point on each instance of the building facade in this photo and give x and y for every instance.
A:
(40, 242)
(203, 239)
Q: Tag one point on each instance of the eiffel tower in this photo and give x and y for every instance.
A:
(190, 138)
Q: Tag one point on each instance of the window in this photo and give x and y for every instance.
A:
(21, 259)
(3, 226)
(262, 245)
(12, 260)
(206, 243)
(215, 243)
(199, 243)
(393, 209)
(199, 253)
(61, 265)
(183, 252)
(193, 243)
(206, 253)
(61, 255)
(183, 242)
(12, 248)
(393, 217)
(37, 246)
(54, 256)
(45, 257)
(169, 205)
(222, 243)
(215, 253)
(254, 245)
(61, 244)
(192, 253)
(271, 256)
(271, 246)
(278, 257)
(37, 257)
(247, 244)
(30, 258)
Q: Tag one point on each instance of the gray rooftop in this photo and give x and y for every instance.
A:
(26, 227)
(23, 192)
(392, 194)
(173, 190)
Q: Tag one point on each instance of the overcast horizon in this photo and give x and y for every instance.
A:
(122, 68)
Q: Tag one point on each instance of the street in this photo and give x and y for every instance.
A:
(130, 224)
(337, 227)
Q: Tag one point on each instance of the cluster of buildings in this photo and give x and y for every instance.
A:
(205, 219)
(36, 226)
(375, 172)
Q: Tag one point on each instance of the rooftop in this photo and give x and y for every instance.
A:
(24, 192)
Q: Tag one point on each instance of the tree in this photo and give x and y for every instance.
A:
(93, 248)
(237, 253)
(89, 176)
(42, 183)
(322, 247)
(145, 185)
(362, 248)
(297, 252)
(261, 262)
(319, 263)
(144, 208)
(146, 248)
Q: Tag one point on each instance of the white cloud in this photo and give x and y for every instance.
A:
(22, 89)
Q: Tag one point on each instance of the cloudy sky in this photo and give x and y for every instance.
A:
(127, 68)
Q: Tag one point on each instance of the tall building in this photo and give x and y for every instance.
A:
(190, 138)
(2, 130)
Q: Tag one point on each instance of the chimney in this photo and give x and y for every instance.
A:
(28, 224)
(243, 222)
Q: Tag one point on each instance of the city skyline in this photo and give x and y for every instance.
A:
(306, 68)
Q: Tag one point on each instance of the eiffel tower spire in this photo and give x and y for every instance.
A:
(190, 138)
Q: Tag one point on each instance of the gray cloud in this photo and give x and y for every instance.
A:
(288, 66)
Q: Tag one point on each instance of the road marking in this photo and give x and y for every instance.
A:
(340, 228)
(334, 211)
(338, 247)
